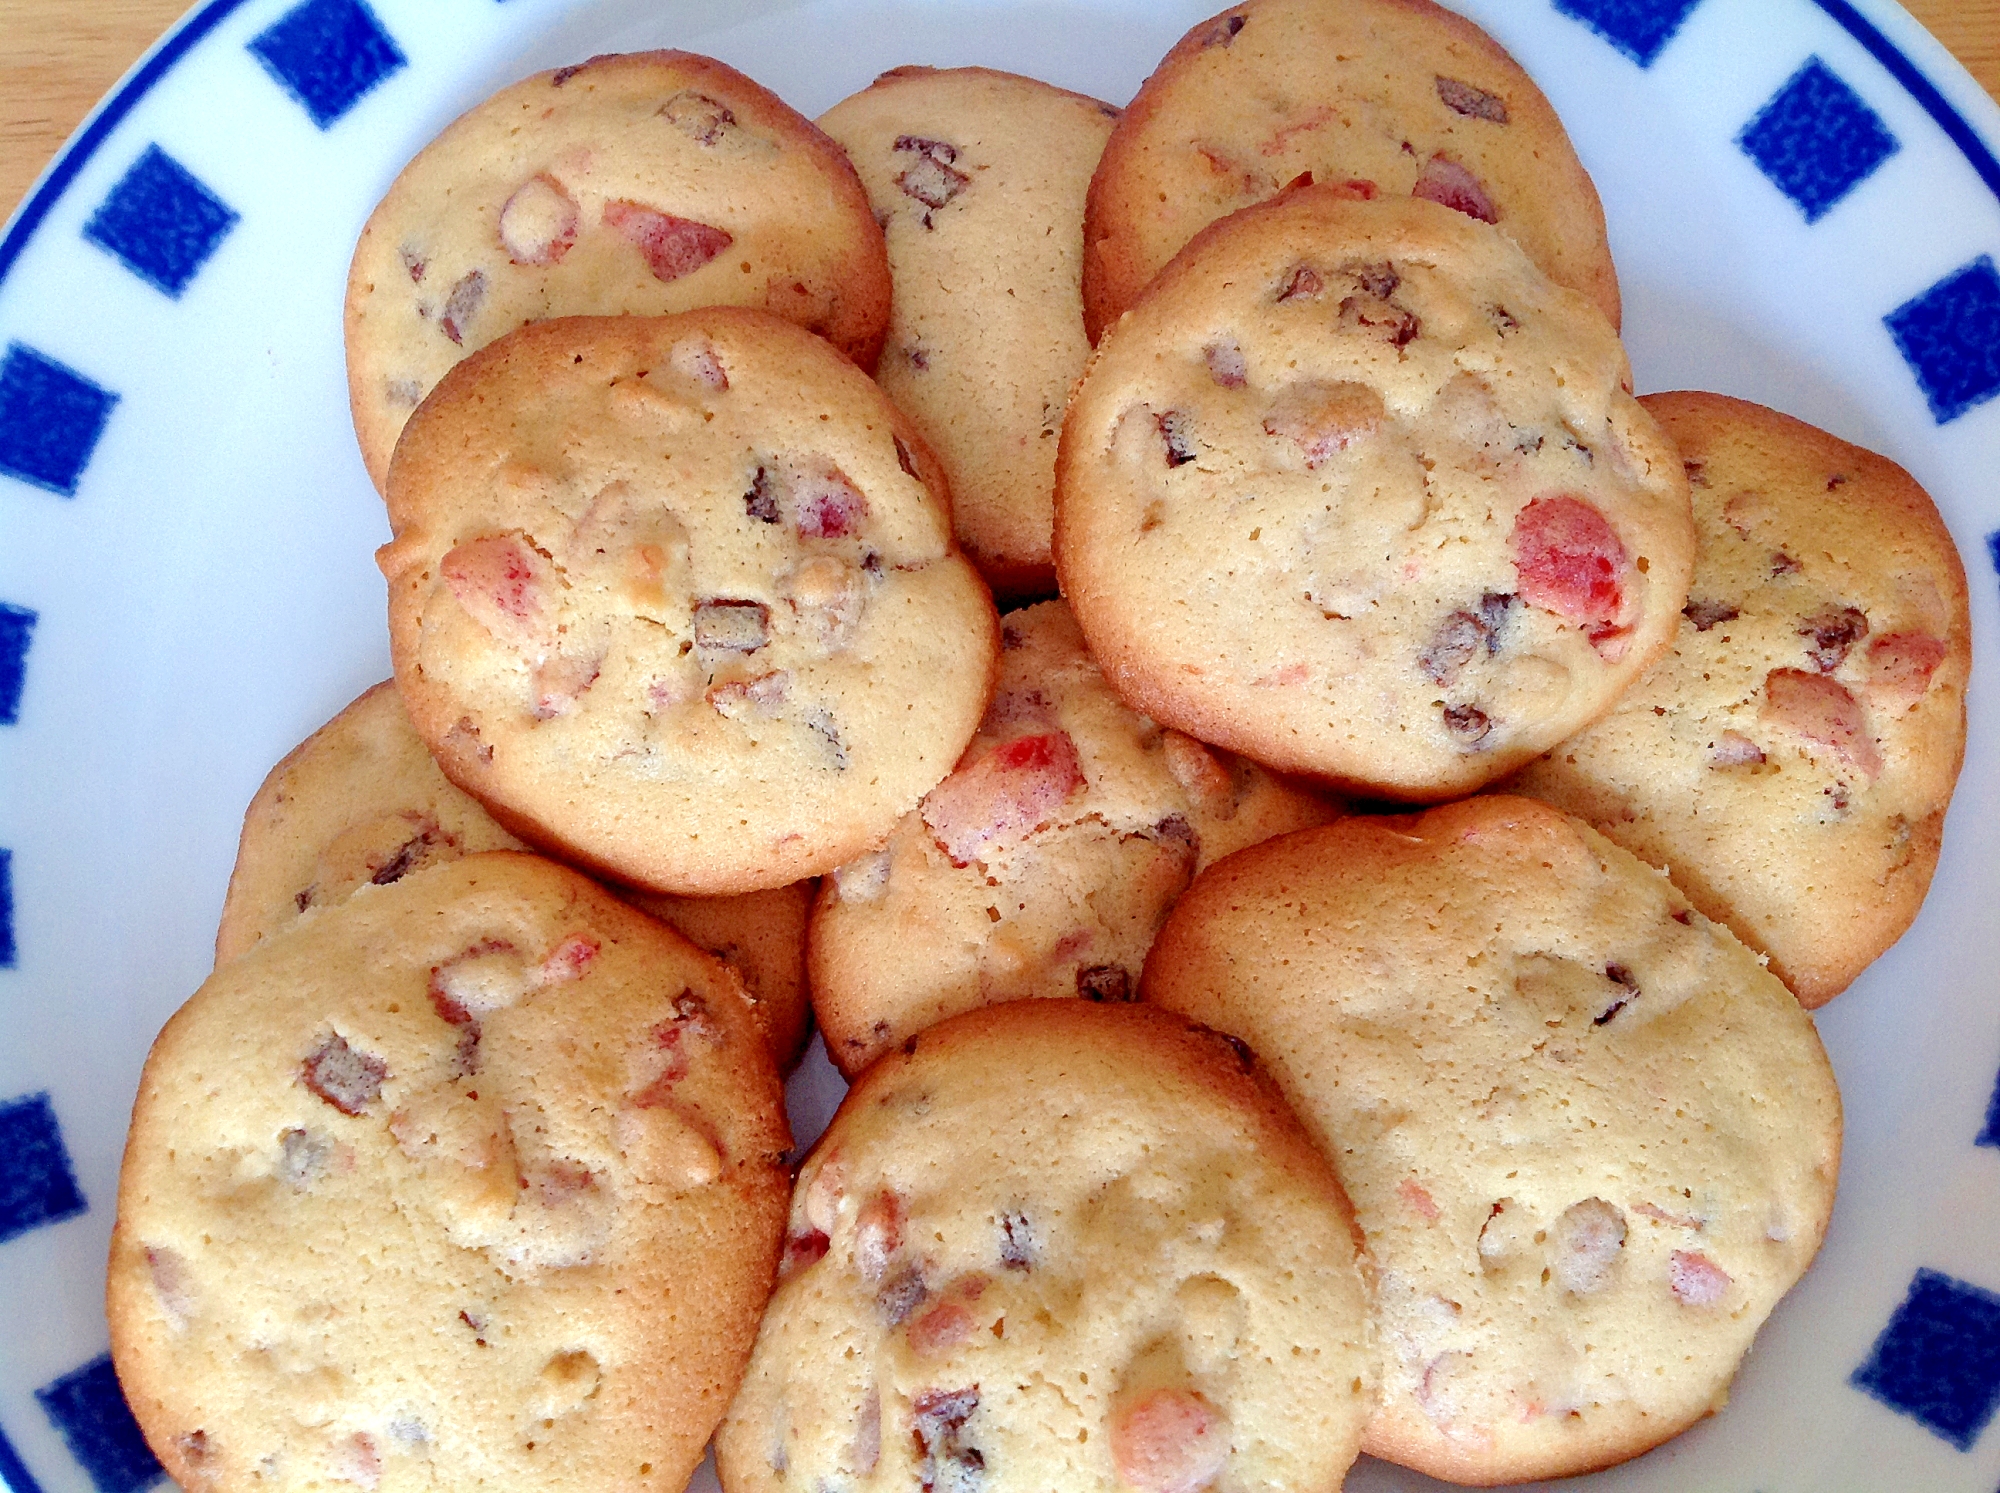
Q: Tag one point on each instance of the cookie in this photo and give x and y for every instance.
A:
(1790, 760)
(1375, 98)
(676, 598)
(1059, 1245)
(1589, 1138)
(361, 803)
(474, 1180)
(641, 184)
(1044, 865)
(978, 179)
(1357, 491)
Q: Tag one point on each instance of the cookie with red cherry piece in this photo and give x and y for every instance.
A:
(1591, 1141)
(1044, 865)
(1060, 1245)
(476, 1181)
(676, 598)
(640, 184)
(1373, 98)
(360, 803)
(1790, 760)
(978, 179)
(1357, 491)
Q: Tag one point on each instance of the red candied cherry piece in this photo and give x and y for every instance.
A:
(504, 586)
(1008, 792)
(1570, 560)
(538, 223)
(940, 1330)
(1449, 184)
(1824, 712)
(673, 246)
(1901, 663)
(825, 505)
(1697, 1280)
(1418, 1197)
(345, 1077)
(802, 1250)
(1169, 1441)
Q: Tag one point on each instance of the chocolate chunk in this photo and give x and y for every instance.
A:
(1017, 1241)
(1468, 723)
(1303, 283)
(1174, 431)
(1705, 614)
(1476, 103)
(901, 1294)
(931, 179)
(1104, 982)
(1833, 632)
(732, 626)
(761, 502)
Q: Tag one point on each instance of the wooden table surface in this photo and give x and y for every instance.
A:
(58, 57)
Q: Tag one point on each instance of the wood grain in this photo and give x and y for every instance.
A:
(59, 57)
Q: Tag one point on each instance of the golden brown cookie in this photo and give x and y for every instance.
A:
(640, 184)
(474, 1180)
(1790, 760)
(1044, 865)
(978, 179)
(1357, 491)
(1590, 1139)
(1374, 98)
(361, 803)
(1054, 1245)
(677, 597)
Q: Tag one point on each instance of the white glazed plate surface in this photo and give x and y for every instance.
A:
(1802, 206)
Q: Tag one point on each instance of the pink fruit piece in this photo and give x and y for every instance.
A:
(1169, 1441)
(505, 586)
(560, 680)
(1176, 436)
(1322, 419)
(701, 118)
(1734, 749)
(802, 1250)
(751, 699)
(1447, 183)
(939, 1330)
(1474, 103)
(696, 358)
(1570, 560)
(1831, 633)
(1003, 795)
(1901, 663)
(356, 1461)
(1417, 1197)
(462, 305)
(1823, 712)
(825, 505)
(345, 1077)
(1304, 283)
(1226, 364)
(947, 1460)
(302, 1157)
(823, 1194)
(672, 246)
(878, 1234)
(538, 223)
(1697, 1280)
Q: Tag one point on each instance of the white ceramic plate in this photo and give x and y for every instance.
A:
(183, 513)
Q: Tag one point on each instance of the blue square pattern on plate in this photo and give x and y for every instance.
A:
(1938, 1360)
(1640, 29)
(16, 625)
(327, 54)
(6, 910)
(50, 419)
(37, 1185)
(1816, 140)
(90, 1410)
(161, 222)
(13, 1471)
(1950, 337)
(1989, 1135)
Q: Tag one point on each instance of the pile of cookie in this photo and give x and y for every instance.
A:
(1468, 1137)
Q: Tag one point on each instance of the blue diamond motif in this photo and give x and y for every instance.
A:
(37, 1185)
(13, 1471)
(50, 419)
(16, 623)
(161, 222)
(327, 54)
(1990, 1134)
(1950, 337)
(1640, 29)
(1938, 1360)
(89, 1409)
(6, 940)
(1816, 140)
